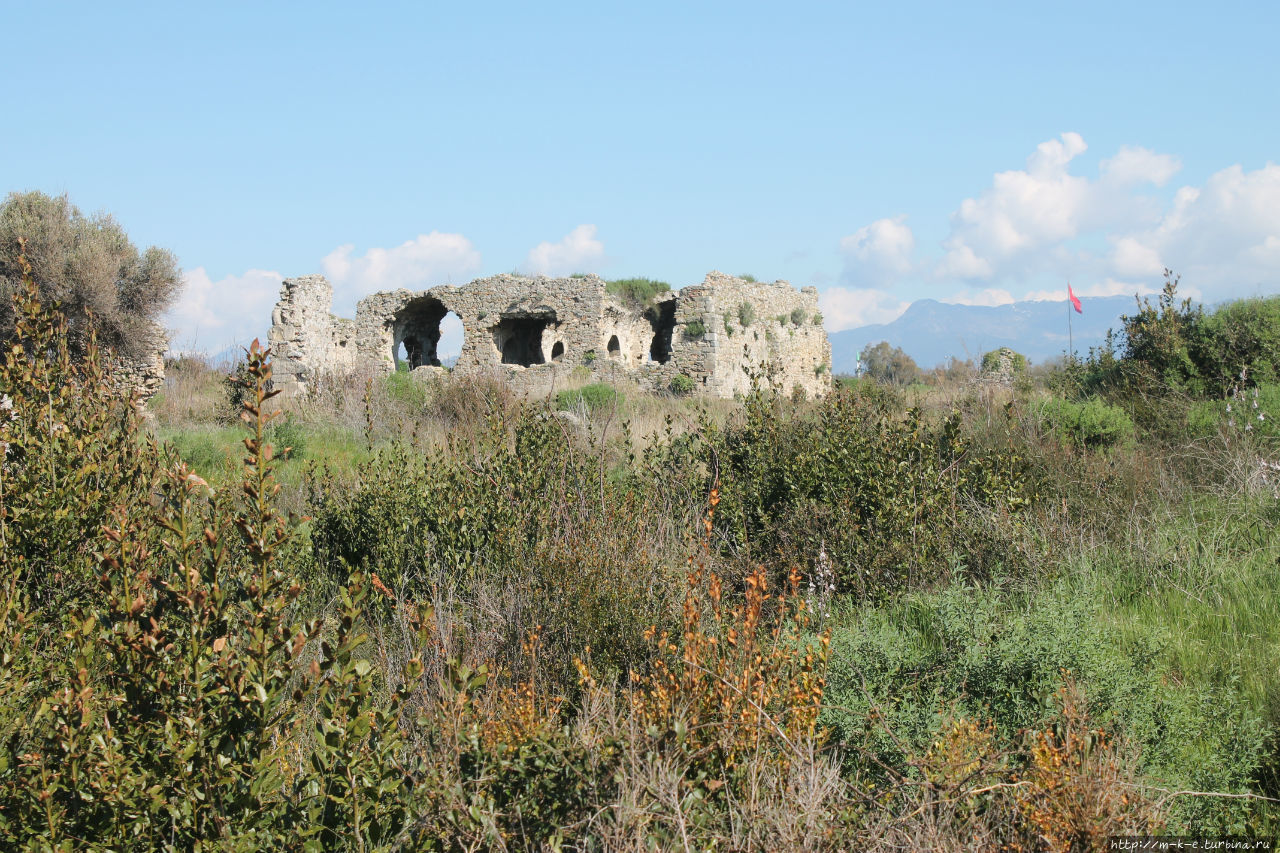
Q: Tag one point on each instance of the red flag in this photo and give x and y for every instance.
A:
(1075, 300)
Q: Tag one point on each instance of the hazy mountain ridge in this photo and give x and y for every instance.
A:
(931, 331)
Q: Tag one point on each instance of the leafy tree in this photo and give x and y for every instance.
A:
(87, 266)
(889, 364)
(1157, 336)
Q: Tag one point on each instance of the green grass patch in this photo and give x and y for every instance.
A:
(594, 397)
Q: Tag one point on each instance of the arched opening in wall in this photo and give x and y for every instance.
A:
(519, 338)
(557, 352)
(662, 317)
(416, 332)
(451, 340)
(615, 348)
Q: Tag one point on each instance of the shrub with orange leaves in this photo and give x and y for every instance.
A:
(739, 680)
(1078, 787)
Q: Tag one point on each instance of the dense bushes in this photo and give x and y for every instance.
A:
(891, 502)
(69, 454)
(1187, 350)
(197, 702)
(1091, 424)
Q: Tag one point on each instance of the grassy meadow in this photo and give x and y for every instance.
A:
(429, 615)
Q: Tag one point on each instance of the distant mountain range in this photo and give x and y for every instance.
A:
(931, 331)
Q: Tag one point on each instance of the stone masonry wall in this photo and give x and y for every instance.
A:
(143, 376)
(535, 332)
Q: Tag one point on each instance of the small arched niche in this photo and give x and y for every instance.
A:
(557, 352)
(615, 348)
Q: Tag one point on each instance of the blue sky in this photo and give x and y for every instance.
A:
(970, 152)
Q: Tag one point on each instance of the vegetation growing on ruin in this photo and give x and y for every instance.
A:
(938, 617)
(992, 361)
(639, 292)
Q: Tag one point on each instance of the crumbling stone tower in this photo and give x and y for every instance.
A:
(536, 331)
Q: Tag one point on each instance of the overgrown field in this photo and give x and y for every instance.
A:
(430, 616)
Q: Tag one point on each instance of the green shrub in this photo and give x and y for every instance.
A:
(158, 721)
(695, 329)
(1000, 655)
(746, 314)
(594, 397)
(747, 277)
(817, 318)
(69, 456)
(891, 501)
(1252, 410)
(1091, 424)
(681, 385)
(404, 388)
(233, 385)
(640, 292)
(798, 316)
(288, 438)
(1238, 344)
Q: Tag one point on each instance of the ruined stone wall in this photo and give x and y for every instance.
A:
(767, 330)
(144, 375)
(536, 332)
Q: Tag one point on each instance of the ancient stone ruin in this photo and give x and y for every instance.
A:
(144, 374)
(711, 338)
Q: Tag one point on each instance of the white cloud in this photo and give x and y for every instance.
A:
(1224, 236)
(1045, 223)
(1133, 165)
(1131, 257)
(989, 297)
(1023, 212)
(579, 251)
(1039, 225)
(847, 308)
(880, 253)
(210, 316)
(426, 260)
(961, 262)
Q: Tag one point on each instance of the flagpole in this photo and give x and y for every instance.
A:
(1071, 341)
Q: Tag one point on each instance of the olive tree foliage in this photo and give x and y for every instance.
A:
(889, 364)
(87, 266)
